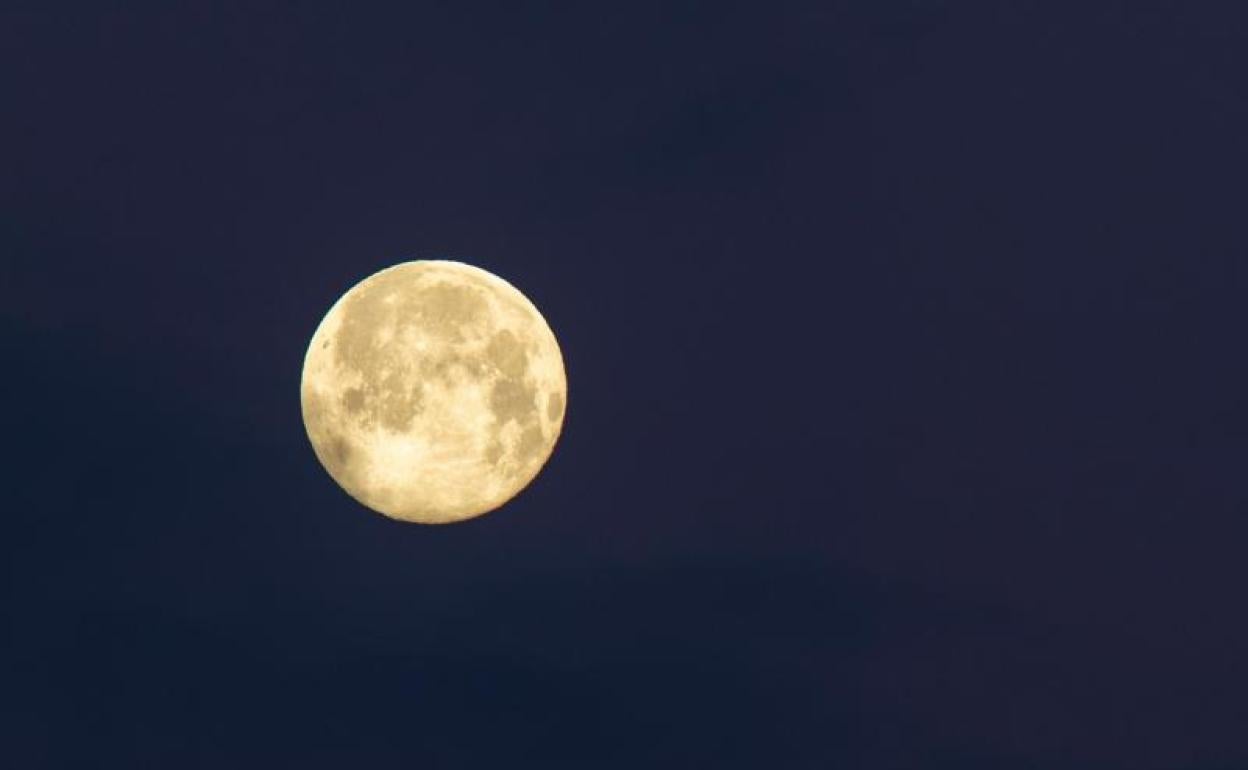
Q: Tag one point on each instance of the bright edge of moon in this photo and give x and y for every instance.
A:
(433, 391)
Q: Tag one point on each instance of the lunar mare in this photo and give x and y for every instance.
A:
(433, 391)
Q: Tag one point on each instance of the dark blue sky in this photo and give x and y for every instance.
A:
(906, 426)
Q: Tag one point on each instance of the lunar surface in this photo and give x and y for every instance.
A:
(433, 391)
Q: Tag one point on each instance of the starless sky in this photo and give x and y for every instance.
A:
(906, 426)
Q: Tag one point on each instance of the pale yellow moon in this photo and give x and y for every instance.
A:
(433, 391)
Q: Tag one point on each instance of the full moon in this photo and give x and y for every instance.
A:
(433, 391)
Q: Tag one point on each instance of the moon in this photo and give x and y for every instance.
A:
(433, 391)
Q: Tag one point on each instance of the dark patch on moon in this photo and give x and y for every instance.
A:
(508, 355)
(531, 443)
(361, 317)
(443, 367)
(353, 400)
(339, 451)
(399, 403)
(449, 304)
(554, 407)
(397, 299)
(512, 400)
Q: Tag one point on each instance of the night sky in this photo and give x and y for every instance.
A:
(907, 419)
